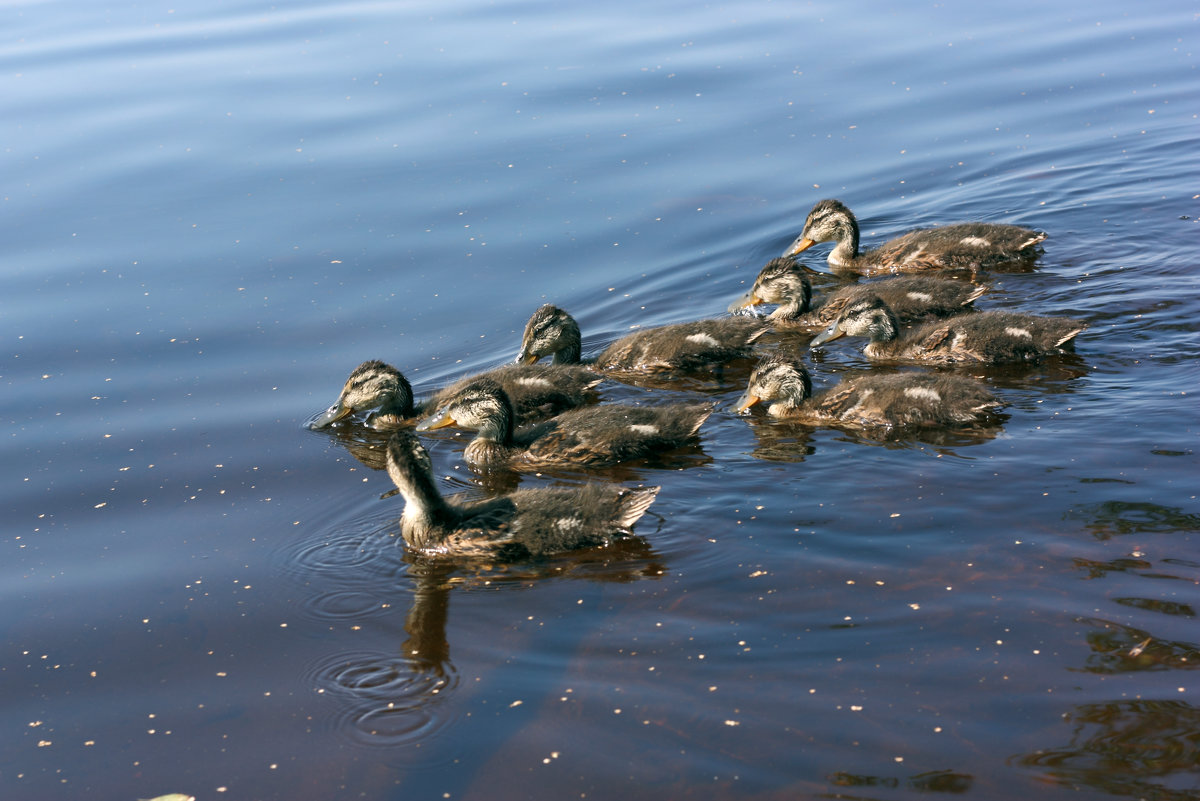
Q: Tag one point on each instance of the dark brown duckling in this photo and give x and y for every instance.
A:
(526, 523)
(782, 281)
(537, 391)
(992, 337)
(596, 436)
(960, 246)
(682, 346)
(877, 402)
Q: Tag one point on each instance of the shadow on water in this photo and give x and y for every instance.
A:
(1136, 749)
(395, 698)
(1109, 519)
(390, 699)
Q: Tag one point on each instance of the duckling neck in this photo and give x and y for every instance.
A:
(394, 410)
(571, 353)
(427, 518)
(884, 337)
(493, 440)
(484, 451)
(792, 395)
(789, 311)
(845, 252)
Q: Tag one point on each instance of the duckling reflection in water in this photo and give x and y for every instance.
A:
(523, 524)
(887, 403)
(537, 391)
(595, 436)
(992, 337)
(782, 281)
(682, 346)
(960, 246)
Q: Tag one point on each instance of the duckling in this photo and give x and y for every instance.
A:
(881, 402)
(682, 346)
(961, 246)
(782, 281)
(992, 337)
(526, 523)
(596, 436)
(536, 390)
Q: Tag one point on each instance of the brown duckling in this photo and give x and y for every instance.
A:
(536, 390)
(992, 337)
(597, 436)
(526, 523)
(682, 346)
(960, 246)
(782, 281)
(880, 402)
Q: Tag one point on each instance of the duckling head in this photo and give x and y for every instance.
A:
(481, 406)
(781, 281)
(550, 331)
(866, 317)
(829, 220)
(779, 381)
(372, 384)
(408, 463)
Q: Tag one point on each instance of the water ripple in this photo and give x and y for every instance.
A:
(390, 700)
(365, 543)
(344, 605)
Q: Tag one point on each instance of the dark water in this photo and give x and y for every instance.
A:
(212, 212)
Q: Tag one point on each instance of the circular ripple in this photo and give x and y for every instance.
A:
(388, 699)
(344, 605)
(351, 545)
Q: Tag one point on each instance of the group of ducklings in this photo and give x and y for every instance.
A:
(530, 415)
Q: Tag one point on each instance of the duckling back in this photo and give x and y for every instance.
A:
(683, 346)
(537, 391)
(992, 337)
(538, 522)
(612, 433)
(902, 400)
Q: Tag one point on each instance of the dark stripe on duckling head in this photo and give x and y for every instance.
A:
(782, 280)
(866, 317)
(483, 406)
(778, 379)
(550, 331)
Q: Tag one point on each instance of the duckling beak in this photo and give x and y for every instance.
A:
(746, 401)
(334, 413)
(834, 331)
(746, 301)
(442, 419)
(799, 246)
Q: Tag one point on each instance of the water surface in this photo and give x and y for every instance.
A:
(211, 214)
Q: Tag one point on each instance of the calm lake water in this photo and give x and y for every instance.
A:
(212, 212)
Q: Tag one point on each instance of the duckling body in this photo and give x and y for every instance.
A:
(596, 436)
(682, 346)
(537, 390)
(782, 281)
(523, 524)
(991, 337)
(880, 402)
(960, 246)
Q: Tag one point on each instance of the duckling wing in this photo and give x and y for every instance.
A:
(1014, 337)
(550, 520)
(905, 399)
(612, 433)
(961, 246)
(915, 296)
(683, 345)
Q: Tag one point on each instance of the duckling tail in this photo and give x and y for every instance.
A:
(634, 503)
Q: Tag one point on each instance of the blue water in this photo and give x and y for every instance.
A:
(210, 214)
